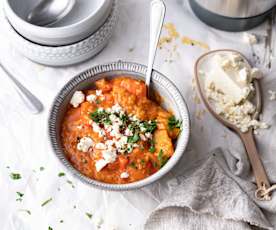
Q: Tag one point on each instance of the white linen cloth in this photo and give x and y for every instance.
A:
(25, 146)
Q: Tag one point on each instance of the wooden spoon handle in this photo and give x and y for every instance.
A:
(256, 163)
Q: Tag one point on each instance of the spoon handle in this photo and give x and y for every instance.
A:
(31, 102)
(157, 14)
(256, 163)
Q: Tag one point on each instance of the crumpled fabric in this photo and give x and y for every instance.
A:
(210, 198)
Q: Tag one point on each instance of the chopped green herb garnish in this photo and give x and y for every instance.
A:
(149, 126)
(25, 210)
(152, 147)
(89, 215)
(143, 162)
(20, 195)
(162, 159)
(101, 117)
(61, 221)
(41, 168)
(71, 183)
(133, 139)
(154, 164)
(50, 228)
(174, 123)
(15, 176)
(61, 174)
(46, 202)
(133, 165)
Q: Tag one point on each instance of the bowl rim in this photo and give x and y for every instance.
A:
(58, 30)
(135, 69)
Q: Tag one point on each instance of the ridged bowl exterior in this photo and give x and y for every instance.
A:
(172, 100)
(68, 54)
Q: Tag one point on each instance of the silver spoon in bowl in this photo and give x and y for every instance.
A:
(48, 12)
(157, 15)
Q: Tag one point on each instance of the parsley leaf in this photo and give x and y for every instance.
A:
(20, 195)
(101, 117)
(152, 147)
(61, 174)
(174, 123)
(89, 215)
(25, 210)
(46, 202)
(15, 176)
(149, 126)
(133, 139)
(162, 159)
(133, 165)
(50, 228)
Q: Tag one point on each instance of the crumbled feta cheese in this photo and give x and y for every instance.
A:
(116, 108)
(142, 136)
(99, 93)
(97, 129)
(109, 143)
(238, 114)
(98, 222)
(91, 98)
(230, 79)
(100, 146)
(77, 98)
(243, 76)
(100, 164)
(256, 73)
(128, 132)
(124, 175)
(109, 155)
(115, 132)
(272, 95)
(84, 144)
(226, 64)
(148, 135)
(121, 144)
(250, 38)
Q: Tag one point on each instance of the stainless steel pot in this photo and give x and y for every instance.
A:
(232, 15)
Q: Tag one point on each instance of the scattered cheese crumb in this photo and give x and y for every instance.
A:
(77, 98)
(124, 175)
(91, 98)
(98, 93)
(250, 38)
(100, 164)
(272, 95)
(100, 146)
(256, 73)
(98, 222)
(84, 144)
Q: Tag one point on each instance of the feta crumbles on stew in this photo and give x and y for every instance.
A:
(115, 134)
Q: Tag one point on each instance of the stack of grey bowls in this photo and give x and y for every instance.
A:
(80, 35)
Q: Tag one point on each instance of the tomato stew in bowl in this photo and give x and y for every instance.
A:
(106, 131)
(115, 134)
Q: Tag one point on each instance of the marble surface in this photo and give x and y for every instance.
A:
(24, 140)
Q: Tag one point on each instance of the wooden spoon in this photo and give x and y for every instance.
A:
(247, 137)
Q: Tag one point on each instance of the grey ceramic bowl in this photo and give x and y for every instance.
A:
(172, 100)
(84, 19)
